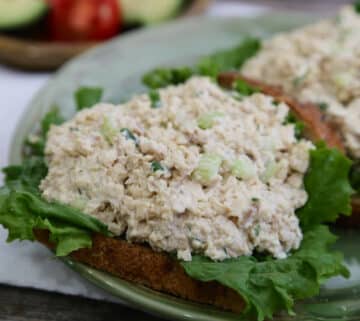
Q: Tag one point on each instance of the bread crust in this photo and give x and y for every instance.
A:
(318, 127)
(140, 264)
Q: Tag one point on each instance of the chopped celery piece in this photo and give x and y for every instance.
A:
(207, 120)
(208, 168)
(270, 171)
(79, 203)
(108, 130)
(243, 168)
(343, 80)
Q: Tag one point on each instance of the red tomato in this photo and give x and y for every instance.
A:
(79, 20)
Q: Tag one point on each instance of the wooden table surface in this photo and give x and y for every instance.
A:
(19, 304)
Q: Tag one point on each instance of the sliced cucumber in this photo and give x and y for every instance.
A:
(18, 13)
(149, 11)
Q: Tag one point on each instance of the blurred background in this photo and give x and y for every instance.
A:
(43, 34)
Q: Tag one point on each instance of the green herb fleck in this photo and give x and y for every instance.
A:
(299, 125)
(155, 98)
(156, 166)
(323, 106)
(257, 230)
(300, 79)
(275, 102)
(255, 199)
(86, 97)
(128, 134)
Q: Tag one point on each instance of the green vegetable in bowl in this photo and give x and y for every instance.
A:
(149, 11)
(19, 13)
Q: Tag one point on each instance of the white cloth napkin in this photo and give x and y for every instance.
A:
(30, 264)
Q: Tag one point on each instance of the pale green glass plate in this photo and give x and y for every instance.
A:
(117, 66)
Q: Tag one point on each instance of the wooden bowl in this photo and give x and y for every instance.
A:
(43, 55)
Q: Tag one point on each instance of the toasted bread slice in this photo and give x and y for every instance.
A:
(138, 263)
(318, 127)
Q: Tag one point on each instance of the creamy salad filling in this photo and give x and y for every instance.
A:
(318, 63)
(188, 169)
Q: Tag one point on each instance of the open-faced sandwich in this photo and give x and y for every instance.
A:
(320, 63)
(213, 195)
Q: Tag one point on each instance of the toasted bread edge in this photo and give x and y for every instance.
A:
(140, 264)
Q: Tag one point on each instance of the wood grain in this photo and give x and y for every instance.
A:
(22, 304)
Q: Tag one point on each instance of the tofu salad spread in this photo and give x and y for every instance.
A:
(194, 171)
(319, 63)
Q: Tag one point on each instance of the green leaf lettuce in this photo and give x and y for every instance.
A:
(327, 184)
(210, 65)
(86, 97)
(269, 285)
